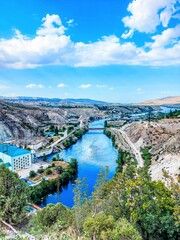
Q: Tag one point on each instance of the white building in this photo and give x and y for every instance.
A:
(15, 158)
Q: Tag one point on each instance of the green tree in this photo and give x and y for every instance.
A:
(124, 230)
(49, 216)
(13, 196)
(144, 202)
(40, 170)
(48, 171)
(44, 157)
(80, 200)
(59, 169)
(32, 174)
(99, 227)
(56, 130)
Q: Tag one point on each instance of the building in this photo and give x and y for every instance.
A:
(15, 158)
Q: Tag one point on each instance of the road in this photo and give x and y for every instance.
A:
(60, 139)
(133, 148)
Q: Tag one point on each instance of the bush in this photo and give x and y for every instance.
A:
(50, 215)
(48, 171)
(32, 174)
(40, 170)
(146, 155)
(59, 170)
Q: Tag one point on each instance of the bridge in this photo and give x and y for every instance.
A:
(95, 129)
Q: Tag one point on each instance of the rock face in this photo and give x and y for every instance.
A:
(17, 121)
(164, 137)
(25, 121)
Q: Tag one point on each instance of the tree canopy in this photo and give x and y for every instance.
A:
(13, 196)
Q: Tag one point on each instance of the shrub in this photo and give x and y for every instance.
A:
(40, 170)
(48, 171)
(32, 174)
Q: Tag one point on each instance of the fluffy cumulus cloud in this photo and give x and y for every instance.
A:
(85, 85)
(146, 15)
(33, 85)
(51, 45)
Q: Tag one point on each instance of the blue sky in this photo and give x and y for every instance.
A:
(112, 50)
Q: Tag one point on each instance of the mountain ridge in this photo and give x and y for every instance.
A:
(170, 100)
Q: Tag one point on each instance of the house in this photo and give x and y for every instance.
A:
(15, 158)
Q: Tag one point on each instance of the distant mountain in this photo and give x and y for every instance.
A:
(84, 101)
(172, 100)
(59, 101)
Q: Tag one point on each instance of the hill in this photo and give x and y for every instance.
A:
(162, 101)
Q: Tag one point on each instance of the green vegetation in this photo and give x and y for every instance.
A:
(70, 129)
(57, 158)
(32, 174)
(104, 226)
(79, 133)
(173, 114)
(109, 134)
(40, 191)
(40, 170)
(69, 142)
(130, 206)
(48, 171)
(13, 196)
(44, 157)
(46, 218)
(146, 155)
(72, 140)
(123, 157)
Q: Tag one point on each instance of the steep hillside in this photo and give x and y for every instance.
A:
(163, 137)
(20, 120)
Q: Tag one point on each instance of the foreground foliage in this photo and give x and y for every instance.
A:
(130, 206)
(13, 196)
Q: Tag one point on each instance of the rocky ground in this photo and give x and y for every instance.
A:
(163, 136)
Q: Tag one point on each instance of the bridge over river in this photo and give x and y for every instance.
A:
(95, 128)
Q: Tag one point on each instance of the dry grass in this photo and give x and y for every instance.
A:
(54, 173)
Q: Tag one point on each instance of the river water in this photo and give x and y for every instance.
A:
(93, 151)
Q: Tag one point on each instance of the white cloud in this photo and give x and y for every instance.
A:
(139, 91)
(48, 26)
(62, 85)
(3, 87)
(146, 15)
(85, 86)
(33, 85)
(51, 46)
(70, 22)
(168, 37)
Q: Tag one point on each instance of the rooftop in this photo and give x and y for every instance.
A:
(12, 150)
